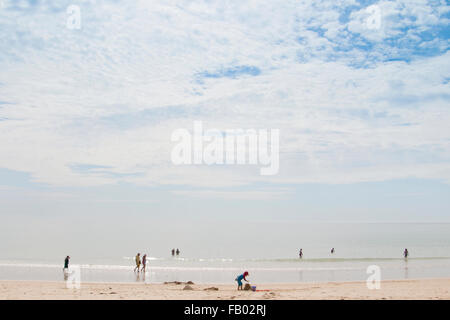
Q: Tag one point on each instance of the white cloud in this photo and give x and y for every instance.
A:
(111, 93)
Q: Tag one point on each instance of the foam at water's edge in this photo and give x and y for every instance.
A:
(284, 264)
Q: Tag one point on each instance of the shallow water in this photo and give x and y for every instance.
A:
(271, 258)
(280, 270)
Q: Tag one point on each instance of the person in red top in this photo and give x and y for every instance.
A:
(239, 279)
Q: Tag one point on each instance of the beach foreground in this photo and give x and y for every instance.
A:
(390, 289)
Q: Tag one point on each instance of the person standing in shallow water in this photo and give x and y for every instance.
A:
(332, 250)
(178, 252)
(66, 262)
(300, 254)
(138, 262)
(144, 262)
(406, 253)
(173, 252)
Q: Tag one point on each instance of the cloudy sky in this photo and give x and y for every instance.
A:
(358, 89)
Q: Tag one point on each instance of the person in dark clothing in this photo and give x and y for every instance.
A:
(66, 262)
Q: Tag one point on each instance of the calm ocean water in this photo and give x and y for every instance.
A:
(270, 256)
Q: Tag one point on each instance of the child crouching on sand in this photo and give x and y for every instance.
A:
(239, 279)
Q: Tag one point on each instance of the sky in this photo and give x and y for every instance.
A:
(358, 89)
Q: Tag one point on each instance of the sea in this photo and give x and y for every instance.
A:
(269, 257)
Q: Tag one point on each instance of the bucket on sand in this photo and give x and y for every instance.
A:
(253, 288)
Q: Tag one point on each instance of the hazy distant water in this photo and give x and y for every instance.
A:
(269, 253)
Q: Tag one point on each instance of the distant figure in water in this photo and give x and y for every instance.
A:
(300, 254)
(173, 252)
(239, 279)
(406, 253)
(66, 262)
(178, 252)
(144, 262)
(332, 250)
(138, 262)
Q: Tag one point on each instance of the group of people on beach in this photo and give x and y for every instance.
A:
(139, 262)
(143, 261)
(137, 259)
(238, 279)
(300, 253)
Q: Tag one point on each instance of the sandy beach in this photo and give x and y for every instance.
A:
(392, 289)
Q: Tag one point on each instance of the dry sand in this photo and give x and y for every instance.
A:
(398, 289)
